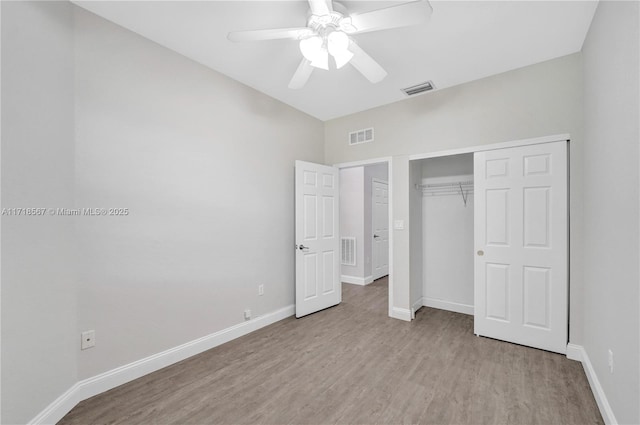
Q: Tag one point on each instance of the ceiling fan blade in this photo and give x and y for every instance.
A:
(365, 64)
(402, 15)
(320, 7)
(270, 34)
(302, 75)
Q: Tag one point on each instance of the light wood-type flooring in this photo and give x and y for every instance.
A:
(352, 364)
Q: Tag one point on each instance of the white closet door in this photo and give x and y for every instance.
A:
(520, 220)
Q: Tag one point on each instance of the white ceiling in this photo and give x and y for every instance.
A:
(464, 41)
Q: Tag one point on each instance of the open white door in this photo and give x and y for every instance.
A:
(317, 238)
(380, 219)
(521, 279)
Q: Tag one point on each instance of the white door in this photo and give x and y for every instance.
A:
(521, 245)
(380, 220)
(317, 238)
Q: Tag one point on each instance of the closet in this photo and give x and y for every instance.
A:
(489, 237)
(446, 192)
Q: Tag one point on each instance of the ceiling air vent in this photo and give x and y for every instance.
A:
(420, 88)
(361, 136)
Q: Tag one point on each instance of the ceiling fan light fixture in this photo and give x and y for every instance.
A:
(338, 46)
(311, 47)
(337, 42)
(321, 59)
(342, 58)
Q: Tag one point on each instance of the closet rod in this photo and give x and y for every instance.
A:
(449, 188)
(444, 185)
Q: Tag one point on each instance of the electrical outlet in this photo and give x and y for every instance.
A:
(610, 361)
(247, 314)
(88, 339)
(260, 289)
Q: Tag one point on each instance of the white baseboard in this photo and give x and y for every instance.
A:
(577, 352)
(574, 352)
(415, 307)
(356, 280)
(105, 381)
(447, 305)
(60, 407)
(401, 313)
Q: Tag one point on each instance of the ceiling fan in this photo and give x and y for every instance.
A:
(328, 34)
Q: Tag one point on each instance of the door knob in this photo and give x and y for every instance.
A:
(376, 236)
(302, 247)
(480, 253)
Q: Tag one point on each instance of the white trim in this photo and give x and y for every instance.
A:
(356, 280)
(401, 313)
(415, 307)
(105, 381)
(447, 305)
(389, 161)
(574, 352)
(493, 146)
(60, 407)
(1, 421)
(577, 352)
(364, 162)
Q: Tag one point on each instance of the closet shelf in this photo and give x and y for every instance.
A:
(463, 188)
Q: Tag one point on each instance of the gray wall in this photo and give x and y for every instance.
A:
(351, 216)
(538, 100)
(205, 165)
(611, 216)
(39, 338)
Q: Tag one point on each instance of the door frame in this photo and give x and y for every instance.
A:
(389, 161)
(493, 146)
(373, 226)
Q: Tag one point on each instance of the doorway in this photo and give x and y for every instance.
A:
(365, 216)
(446, 216)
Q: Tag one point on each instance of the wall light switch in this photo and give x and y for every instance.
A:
(398, 224)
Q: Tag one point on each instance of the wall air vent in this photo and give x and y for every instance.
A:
(420, 88)
(348, 245)
(361, 136)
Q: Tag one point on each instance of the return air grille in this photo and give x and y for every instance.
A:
(348, 245)
(420, 88)
(361, 136)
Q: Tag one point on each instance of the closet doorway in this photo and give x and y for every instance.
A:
(494, 239)
(446, 188)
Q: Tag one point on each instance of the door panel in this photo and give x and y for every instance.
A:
(317, 243)
(497, 296)
(380, 221)
(521, 266)
(497, 217)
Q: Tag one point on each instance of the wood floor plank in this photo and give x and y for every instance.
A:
(353, 364)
